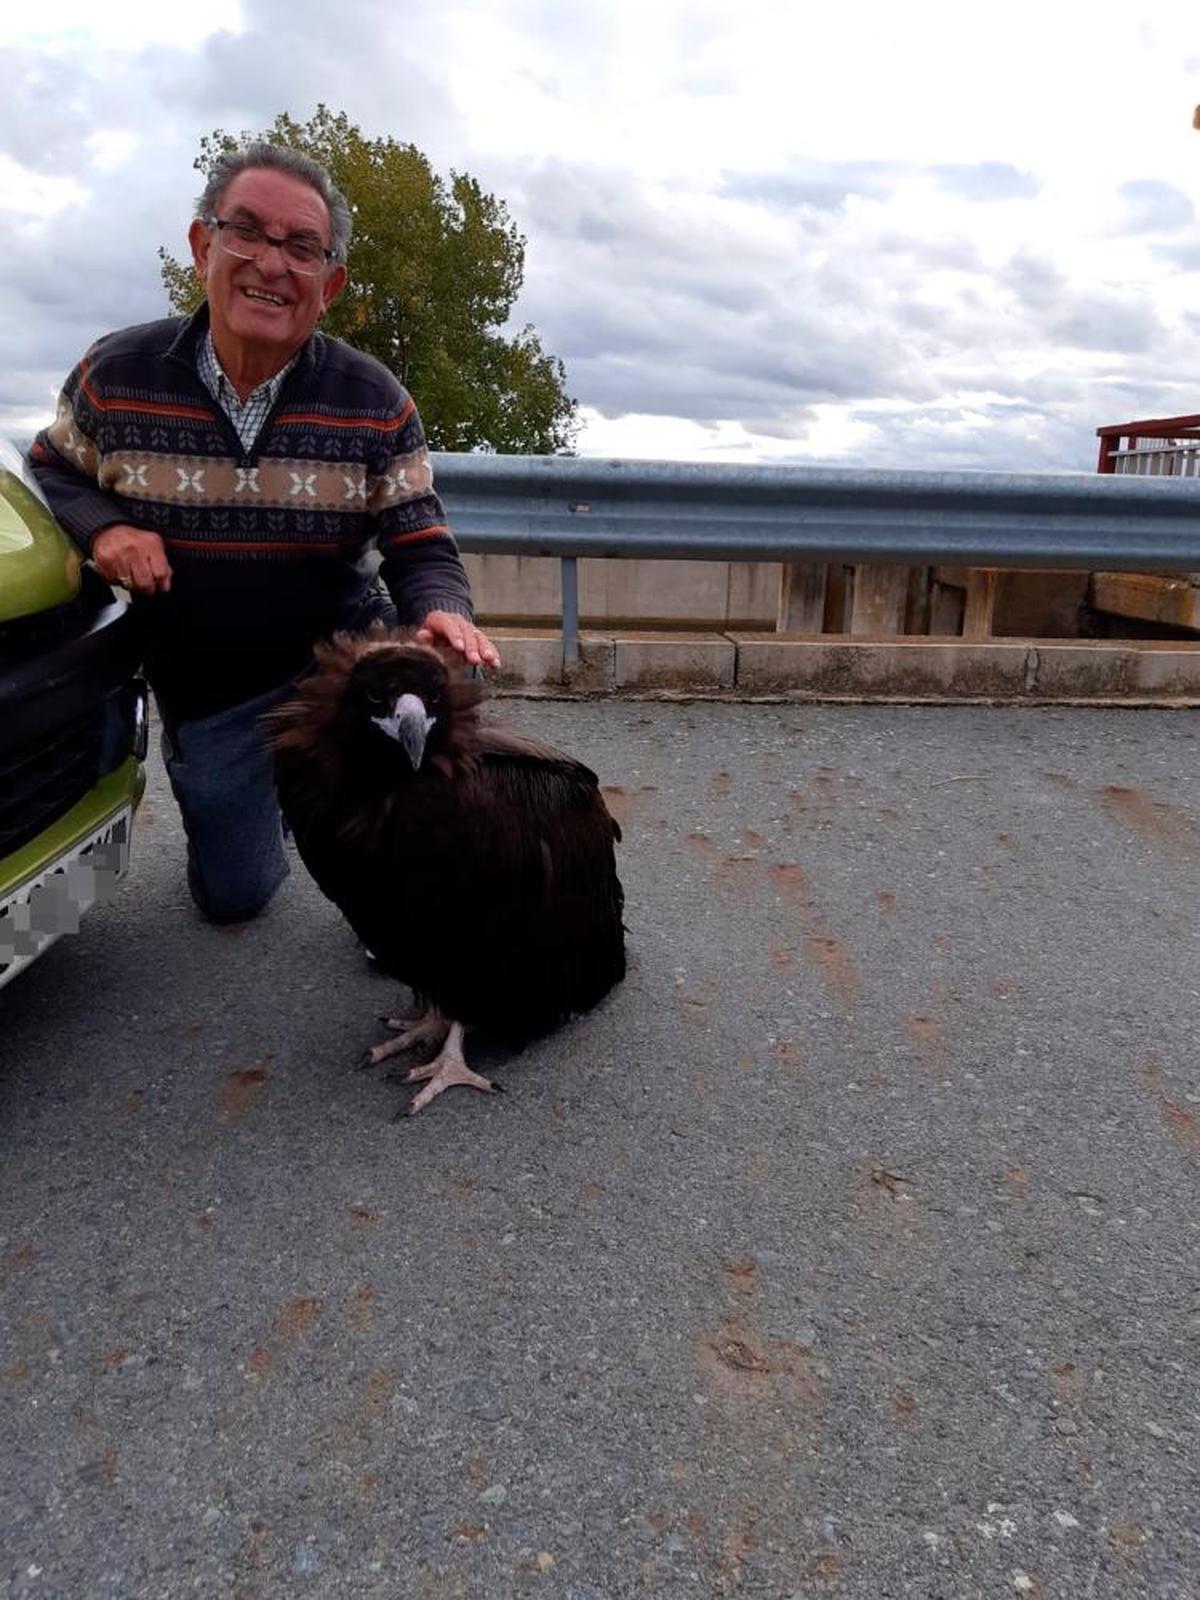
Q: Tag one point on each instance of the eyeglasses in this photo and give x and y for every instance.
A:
(247, 241)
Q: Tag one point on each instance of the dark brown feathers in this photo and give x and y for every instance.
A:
(485, 876)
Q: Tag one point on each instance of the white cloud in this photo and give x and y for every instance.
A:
(831, 434)
(111, 148)
(121, 25)
(25, 194)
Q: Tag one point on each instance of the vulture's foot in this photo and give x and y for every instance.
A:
(447, 1070)
(428, 1029)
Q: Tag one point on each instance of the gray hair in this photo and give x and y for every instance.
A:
(281, 158)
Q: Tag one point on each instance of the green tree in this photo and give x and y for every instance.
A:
(435, 269)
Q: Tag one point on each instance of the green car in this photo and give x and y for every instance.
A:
(73, 727)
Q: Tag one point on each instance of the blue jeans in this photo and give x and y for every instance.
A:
(223, 780)
(221, 775)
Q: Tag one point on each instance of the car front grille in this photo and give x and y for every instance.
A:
(24, 637)
(40, 781)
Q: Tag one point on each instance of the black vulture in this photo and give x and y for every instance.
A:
(476, 864)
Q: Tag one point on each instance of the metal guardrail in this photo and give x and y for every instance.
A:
(569, 507)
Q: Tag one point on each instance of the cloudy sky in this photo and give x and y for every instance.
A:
(929, 235)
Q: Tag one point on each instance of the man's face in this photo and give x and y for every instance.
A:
(261, 310)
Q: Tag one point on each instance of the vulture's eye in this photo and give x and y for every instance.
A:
(376, 698)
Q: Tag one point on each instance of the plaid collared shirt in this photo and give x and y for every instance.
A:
(249, 415)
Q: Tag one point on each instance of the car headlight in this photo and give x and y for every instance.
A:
(139, 717)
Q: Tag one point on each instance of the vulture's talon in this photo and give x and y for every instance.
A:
(425, 1033)
(448, 1070)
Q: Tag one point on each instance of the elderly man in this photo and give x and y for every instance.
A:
(231, 470)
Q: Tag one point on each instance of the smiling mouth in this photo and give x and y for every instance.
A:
(264, 297)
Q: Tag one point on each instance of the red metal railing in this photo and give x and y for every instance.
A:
(1167, 447)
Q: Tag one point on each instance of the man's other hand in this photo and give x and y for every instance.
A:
(447, 627)
(133, 557)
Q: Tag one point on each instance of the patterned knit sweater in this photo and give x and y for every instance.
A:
(268, 545)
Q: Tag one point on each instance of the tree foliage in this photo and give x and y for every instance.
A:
(435, 269)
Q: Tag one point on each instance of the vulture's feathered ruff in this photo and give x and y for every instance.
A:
(477, 865)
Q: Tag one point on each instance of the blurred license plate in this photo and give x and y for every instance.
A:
(45, 907)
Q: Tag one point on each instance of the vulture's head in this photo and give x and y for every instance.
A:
(377, 707)
(398, 693)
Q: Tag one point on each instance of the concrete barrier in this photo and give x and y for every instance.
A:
(838, 667)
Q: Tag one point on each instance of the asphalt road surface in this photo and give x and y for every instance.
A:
(849, 1249)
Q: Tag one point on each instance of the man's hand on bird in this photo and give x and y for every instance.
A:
(133, 557)
(447, 627)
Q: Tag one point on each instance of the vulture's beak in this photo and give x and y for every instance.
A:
(409, 725)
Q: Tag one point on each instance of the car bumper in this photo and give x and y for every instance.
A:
(75, 864)
(73, 727)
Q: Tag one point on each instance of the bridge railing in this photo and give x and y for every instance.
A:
(1158, 461)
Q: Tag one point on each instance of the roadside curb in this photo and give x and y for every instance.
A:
(774, 667)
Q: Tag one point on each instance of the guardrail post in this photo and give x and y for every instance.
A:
(570, 612)
(880, 593)
(980, 604)
(802, 597)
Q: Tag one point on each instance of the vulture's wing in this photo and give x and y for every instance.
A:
(494, 741)
(528, 844)
(532, 770)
